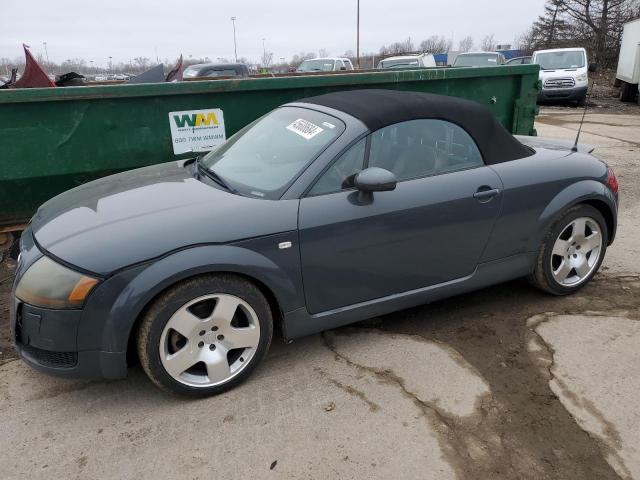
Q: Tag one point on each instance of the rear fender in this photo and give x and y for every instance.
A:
(585, 191)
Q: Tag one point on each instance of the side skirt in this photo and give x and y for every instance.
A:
(299, 323)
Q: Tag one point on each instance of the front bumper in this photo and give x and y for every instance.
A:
(551, 94)
(47, 341)
(64, 343)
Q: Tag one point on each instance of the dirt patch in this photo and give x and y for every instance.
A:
(7, 352)
(537, 437)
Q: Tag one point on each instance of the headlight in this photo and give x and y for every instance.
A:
(49, 284)
(581, 78)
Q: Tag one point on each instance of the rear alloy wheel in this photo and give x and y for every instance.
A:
(572, 252)
(205, 335)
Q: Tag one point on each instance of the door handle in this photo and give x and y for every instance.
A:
(486, 195)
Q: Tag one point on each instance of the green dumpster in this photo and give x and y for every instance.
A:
(54, 139)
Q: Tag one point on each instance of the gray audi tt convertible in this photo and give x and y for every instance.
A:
(322, 212)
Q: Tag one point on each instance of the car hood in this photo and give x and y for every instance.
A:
(134, 216)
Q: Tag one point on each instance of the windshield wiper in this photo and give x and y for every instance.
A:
(213, 175)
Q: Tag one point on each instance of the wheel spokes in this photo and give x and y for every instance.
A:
(579, 230)
(561, 247)
(225, 309)
(563, 271)
(181, 361)
(217, 365)
(244, 337)
(184, 322)
(592, 241)
(583, 268)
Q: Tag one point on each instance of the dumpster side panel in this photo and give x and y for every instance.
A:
(55, 139)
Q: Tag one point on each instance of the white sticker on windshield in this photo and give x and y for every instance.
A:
(304, 128)
(328, 125)
(492, 60)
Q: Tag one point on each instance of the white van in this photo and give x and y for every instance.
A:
(628, 73)
(564, 73)
(408, 61)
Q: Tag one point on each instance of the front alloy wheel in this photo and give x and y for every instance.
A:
(209, 340)
(205, 335)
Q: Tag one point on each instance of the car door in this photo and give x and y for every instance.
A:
(431, 229)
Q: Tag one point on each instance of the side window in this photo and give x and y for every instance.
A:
(419, 148)
(340, 174)
(339, 64)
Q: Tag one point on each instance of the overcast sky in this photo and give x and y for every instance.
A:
(125, 29)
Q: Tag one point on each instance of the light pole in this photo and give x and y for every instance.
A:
(358, 36)
(110, 64)
(235, 48)
(264, 53)
(45, 51)
(91, 64)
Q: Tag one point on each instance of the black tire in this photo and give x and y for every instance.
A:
(628, 92)
(162, 308)
(542, 276)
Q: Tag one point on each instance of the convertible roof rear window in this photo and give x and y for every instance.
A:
(379, 108)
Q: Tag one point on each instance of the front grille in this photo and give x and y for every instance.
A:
(559, 83)
(50, 359)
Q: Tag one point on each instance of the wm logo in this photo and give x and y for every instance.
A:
(195, 120)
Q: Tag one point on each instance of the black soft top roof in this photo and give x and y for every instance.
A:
(379, 108)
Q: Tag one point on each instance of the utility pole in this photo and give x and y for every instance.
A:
(110, 64)
(358, 36)
(264, 53)
(235, 47)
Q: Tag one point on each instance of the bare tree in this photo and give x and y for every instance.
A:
(466, 44)
(597, 16)
(323, 53)
(488, 43)
(267, 59)
(298, 58)
(397, 48)
(593, 24)
(436, 44)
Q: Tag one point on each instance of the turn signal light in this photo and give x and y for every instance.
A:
(612, 181)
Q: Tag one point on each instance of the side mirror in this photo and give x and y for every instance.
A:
(374, 179)
(593, 67)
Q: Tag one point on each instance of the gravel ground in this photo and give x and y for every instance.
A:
(502, 383)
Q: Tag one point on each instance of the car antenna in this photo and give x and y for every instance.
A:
(584, 112)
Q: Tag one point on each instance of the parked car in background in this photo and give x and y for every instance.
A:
(201, 70)
(518, 61)
(628, 73)
(564, 73)
(325, 65)
(408, 61)
(479, 59)
(325, 211)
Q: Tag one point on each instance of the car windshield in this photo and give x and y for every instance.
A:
(317, 65)
(191, 72)
(560, 60)
(476, 60)
(399, 62)
(264, 157)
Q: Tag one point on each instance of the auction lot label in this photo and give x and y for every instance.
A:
(197, 130)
